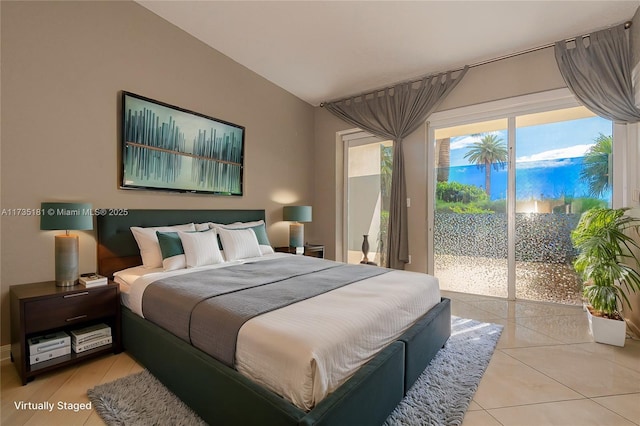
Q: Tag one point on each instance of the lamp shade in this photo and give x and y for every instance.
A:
(297, 213)
(66, 216)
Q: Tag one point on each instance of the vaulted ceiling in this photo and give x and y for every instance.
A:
(323, 50)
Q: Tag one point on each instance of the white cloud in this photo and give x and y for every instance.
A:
(464, 142)
(554, 154)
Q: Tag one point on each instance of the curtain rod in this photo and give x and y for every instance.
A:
(627, 25)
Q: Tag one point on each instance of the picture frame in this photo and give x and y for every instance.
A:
(168, 148)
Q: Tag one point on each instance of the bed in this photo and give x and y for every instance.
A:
(221, 394)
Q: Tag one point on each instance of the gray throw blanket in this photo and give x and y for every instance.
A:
(207, 308)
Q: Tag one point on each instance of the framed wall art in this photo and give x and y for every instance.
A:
(165, 147)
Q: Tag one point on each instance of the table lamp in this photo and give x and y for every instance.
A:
(66, 216)
(297, 214)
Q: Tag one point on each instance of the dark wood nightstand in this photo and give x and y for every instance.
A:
(313, 250)
(42, 308)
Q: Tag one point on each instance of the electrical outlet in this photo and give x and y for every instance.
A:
(409, 260)
(408, 202)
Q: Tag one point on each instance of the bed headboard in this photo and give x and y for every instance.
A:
(117, 249)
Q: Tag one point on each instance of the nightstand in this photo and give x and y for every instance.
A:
(313, 250)
(43, 308)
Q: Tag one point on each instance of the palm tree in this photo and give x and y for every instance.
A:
(596, 165)
(491, 150)
(444, 159)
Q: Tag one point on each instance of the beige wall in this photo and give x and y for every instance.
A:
(530, 73)
(63, 67)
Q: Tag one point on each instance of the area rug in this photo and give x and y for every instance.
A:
(440, 396)
(443, 392)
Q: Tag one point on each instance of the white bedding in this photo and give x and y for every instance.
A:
(299, 351)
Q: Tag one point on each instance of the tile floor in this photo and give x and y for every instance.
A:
(547, 371)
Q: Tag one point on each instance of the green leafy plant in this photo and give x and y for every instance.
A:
(596, 165)
(605, 258)
(456, 192)
(469, 209)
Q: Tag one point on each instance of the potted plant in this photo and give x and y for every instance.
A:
(608, 266)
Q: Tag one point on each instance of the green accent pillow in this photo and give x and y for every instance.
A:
(261, 234)
(172, 251)
(170, 244)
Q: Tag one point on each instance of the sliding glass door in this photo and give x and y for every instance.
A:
(508, 193)
(470, 218)
(562, 169)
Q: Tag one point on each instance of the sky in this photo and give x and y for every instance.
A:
(568, 139)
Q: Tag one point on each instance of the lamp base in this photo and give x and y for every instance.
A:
(296, 235)
(67, 248)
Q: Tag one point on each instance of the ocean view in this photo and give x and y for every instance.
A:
(534, 179)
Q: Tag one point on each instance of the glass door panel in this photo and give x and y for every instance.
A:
(470, 221)
(369, 166)
(562, 169)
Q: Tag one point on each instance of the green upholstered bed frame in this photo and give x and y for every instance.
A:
(221, 395)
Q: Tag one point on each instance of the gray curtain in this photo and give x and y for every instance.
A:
(599, 74)
(394, 113)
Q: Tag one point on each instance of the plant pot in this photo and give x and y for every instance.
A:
(605, 330)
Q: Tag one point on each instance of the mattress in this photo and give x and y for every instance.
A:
(306, 350)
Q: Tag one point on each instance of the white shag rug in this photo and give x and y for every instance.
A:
(440, 396)
(443, 392)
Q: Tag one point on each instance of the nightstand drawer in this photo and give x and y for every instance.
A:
(66, 309)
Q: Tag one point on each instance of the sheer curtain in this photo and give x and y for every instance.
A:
(394, 113)
(599, 74)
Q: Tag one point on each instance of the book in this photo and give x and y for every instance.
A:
(92, 344)
(85, 334)
(48, 342)
(91, 280)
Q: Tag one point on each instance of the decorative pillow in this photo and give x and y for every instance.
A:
(200, 248)
(258, 227)
(148, 242)
(172, 251)
(239, 243)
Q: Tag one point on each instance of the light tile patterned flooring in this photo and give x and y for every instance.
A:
(545, 371)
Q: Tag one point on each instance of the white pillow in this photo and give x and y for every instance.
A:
(236, 225)
(266, 249)
(239, 243)
(201, 248)
(202, 226)
(148, 242)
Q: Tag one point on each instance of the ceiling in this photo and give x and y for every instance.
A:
(324, 50)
